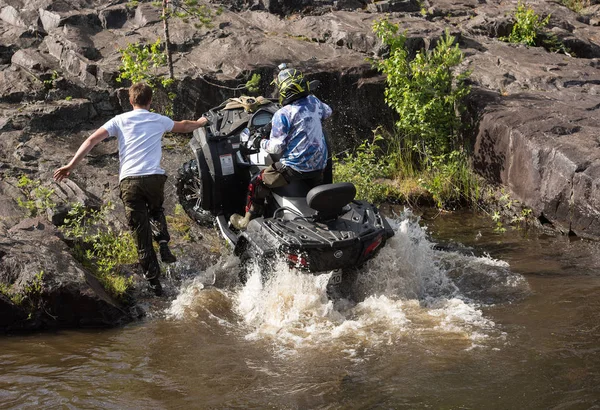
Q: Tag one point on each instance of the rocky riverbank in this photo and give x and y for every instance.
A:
(534, 113)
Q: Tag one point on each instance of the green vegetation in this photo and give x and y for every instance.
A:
(180, 223)
(527, 26)
(100, 247)
(253, 83)
(425, 93)
(426, 151)
(49, 83)
(507, 211)
(576, 5)
(530, 29)
(37, 197)
(363, 168)
(141, 62)
(97, 244)
(29, 297)
(189, 11)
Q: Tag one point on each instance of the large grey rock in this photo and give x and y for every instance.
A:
(57, 290)
(53, 116)
(146, 14)
(10, 212)
(17, 85)
(49, 19)
(70, 52)
(32, 60)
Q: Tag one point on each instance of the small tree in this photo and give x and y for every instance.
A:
(528, 26)
(427, 94)
(424, 91)
(139, 62)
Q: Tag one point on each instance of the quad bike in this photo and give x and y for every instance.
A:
(317, 229)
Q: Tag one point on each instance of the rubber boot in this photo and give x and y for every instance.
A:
(155, 286)
(240, 222)
(165, 253)
(151, 275)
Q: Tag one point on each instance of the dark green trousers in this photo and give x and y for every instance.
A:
(143, 198)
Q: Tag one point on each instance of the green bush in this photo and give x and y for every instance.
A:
(141, 62)
(100, 247)
(425, 91)
(364, 167)
(29, 297)
(527, 27)
(451, 181)
(37, 197)
(576, 5)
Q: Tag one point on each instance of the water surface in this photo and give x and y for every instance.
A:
(449, 315)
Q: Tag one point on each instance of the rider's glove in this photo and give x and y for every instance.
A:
(266, 130)
(256, 142)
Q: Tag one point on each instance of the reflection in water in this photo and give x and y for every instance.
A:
(426, 329)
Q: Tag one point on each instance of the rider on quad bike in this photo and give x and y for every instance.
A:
(296, 135)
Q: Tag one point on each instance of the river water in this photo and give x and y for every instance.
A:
(450, 315)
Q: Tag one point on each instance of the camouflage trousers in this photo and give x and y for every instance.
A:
(143, 198)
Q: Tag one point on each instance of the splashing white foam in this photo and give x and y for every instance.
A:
(408, 290)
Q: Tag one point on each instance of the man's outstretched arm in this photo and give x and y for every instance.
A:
(189, 126)
(63, 172)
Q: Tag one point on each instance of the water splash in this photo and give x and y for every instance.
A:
(409, 291)
(198, 295)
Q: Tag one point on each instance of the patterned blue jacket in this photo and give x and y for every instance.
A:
(297, 134)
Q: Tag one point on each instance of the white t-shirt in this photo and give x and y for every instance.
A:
(139, 133)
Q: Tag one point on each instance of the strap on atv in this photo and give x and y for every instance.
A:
(330, 199)
(249, 104)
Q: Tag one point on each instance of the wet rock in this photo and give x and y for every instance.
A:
(50, 289)
(10, 314)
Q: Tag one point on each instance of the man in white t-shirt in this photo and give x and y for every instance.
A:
(141, 179)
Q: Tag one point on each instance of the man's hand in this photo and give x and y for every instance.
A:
(62, 173)
(186, 126)
(205, 122)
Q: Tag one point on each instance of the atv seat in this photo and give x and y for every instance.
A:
(329, 200)
(296, 189)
